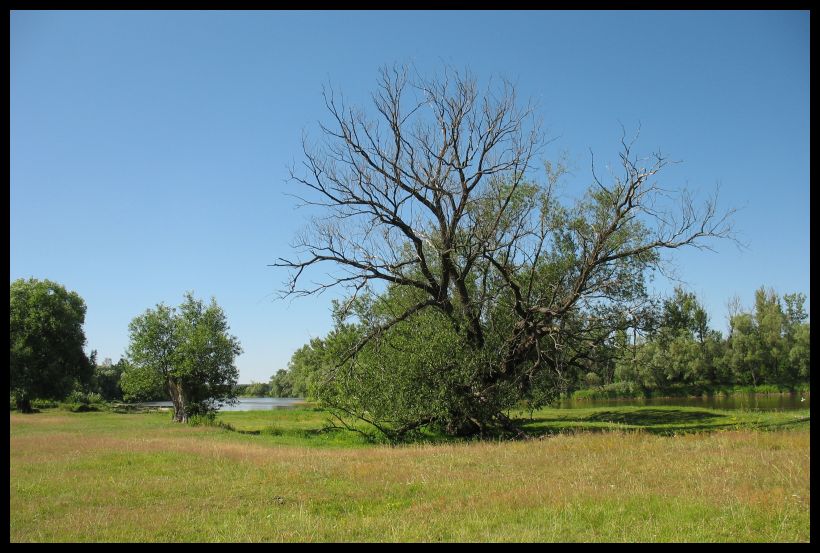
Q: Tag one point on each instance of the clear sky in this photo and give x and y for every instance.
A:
(149, 150)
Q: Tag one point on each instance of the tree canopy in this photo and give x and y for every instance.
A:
(186, 350)
(470, 280)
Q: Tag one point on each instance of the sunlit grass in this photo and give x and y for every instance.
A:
(116, 477)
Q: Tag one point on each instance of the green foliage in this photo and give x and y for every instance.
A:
(44, 404)
(622, 389)
(46, 341)
(281, 384)
(142, 383)
(769, 345)
(254, 389)
(79, 401)
(423, 372)
(205, 419)
(591, 379)
(188, 352)
(107, 379)
(304, 371)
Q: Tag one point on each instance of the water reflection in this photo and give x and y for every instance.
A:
(244, 403)
(755, 402)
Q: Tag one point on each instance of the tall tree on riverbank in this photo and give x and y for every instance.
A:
(189, 351)
(435, 198)
(46, 357)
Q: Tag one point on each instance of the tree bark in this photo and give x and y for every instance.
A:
(178, 399)
(24, 405)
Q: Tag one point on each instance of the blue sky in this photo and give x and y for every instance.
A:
(149, 151)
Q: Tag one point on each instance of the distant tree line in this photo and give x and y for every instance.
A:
(675, 349)
(254, 389)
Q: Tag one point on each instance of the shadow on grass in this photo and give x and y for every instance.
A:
(655, 421)
(653, 417)
(664, 422)
(306, 433)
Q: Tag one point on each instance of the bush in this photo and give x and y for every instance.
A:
(44, 404)
(203, 419)
(592, 380)
(81, 402)
(611, 391)
(209, 419)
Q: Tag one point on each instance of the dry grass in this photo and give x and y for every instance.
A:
(95, 477)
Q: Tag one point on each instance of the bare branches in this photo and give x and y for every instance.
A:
(433, 191)
(405, 182)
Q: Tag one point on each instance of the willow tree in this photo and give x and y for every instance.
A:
(431, 202)
(188, 352)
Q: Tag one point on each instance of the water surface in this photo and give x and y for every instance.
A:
(244, 403)
(754, 402)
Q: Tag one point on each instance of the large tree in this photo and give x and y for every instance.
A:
(434, 202)
(188, 351)
(46, 357)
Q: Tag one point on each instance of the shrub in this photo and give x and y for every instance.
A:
(611, 391)
(592, 380)
(80, 402)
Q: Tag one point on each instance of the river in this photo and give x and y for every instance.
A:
(244, 403)
(759, 402)
(755, 402)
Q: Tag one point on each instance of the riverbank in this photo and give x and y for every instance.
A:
(627, 475)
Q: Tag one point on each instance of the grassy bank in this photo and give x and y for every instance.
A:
(595, 476)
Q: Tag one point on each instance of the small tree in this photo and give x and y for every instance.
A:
(46, 356)
(189, 351)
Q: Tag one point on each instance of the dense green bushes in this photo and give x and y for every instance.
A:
(80, 402)
(673, 352)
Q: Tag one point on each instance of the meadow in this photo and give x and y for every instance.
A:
(606, 474)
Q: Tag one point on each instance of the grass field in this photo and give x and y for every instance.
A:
(624, 474)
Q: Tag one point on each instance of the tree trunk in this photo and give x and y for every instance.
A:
(24, 405)
(178, 399)
(462, 426)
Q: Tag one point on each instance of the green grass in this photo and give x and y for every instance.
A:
(663, 420)
(625, 474)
